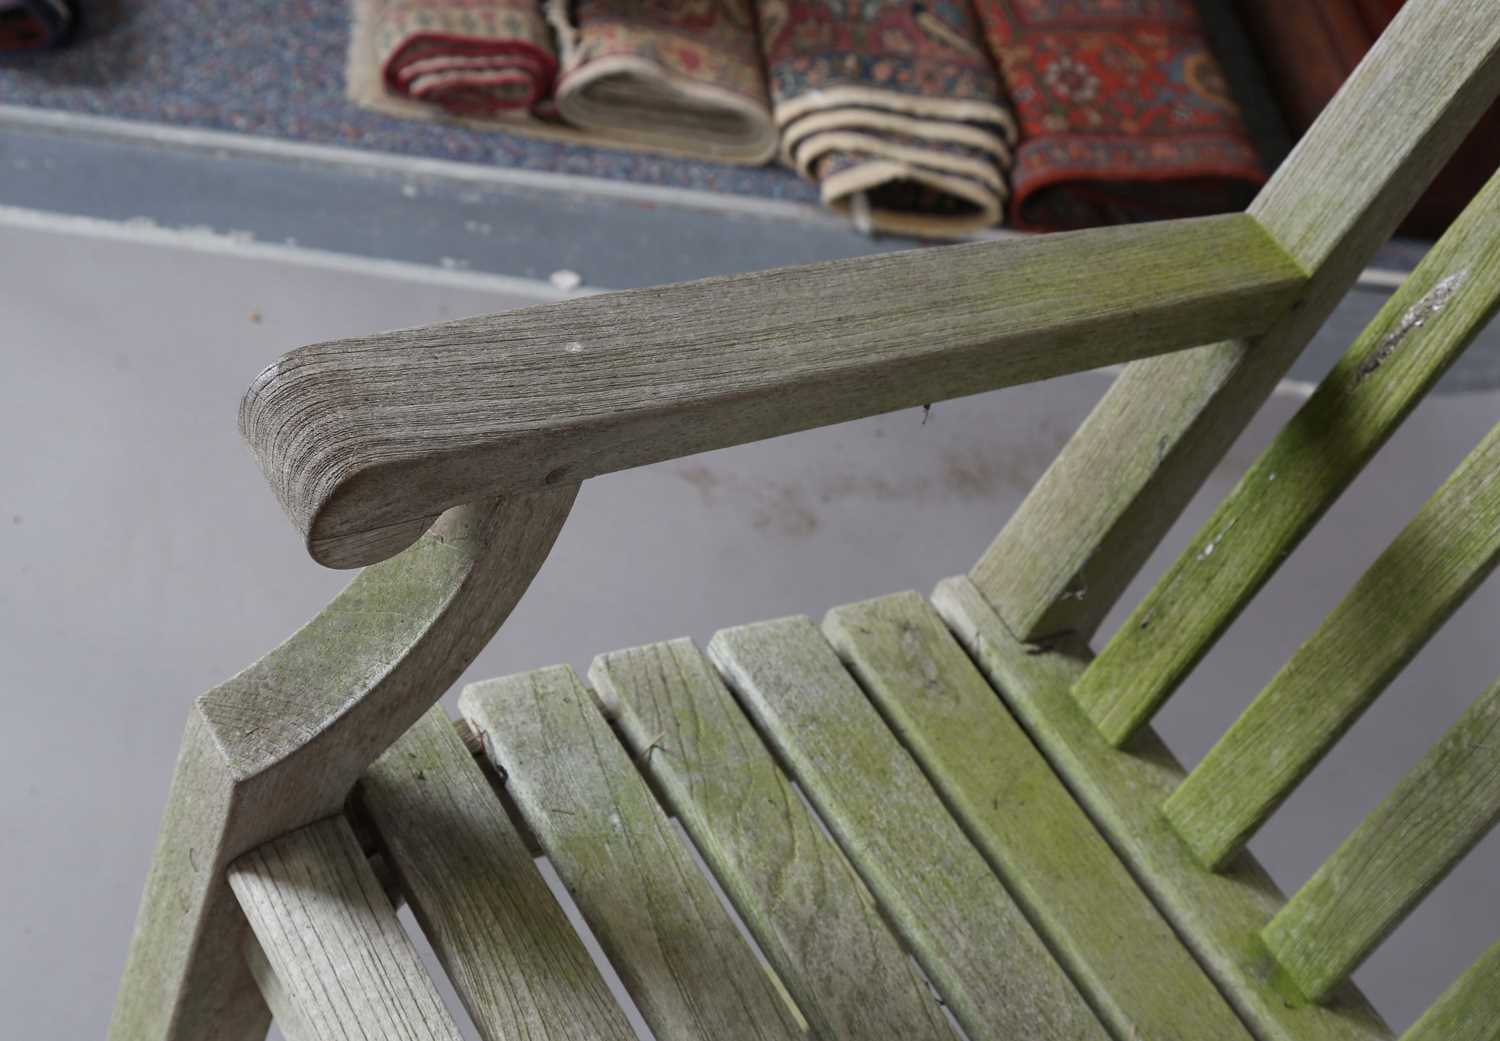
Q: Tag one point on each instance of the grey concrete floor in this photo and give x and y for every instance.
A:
(142, 560)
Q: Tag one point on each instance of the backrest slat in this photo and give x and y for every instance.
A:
(1417, 335)
(1422, 577)
(1118, 485)
(1469, 1010)
(1445, 805)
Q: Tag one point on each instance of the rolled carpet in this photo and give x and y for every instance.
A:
(1124, 113)
(679, 74)
(32, 24)
(893, 108)
(468, 57)
(1311, 48)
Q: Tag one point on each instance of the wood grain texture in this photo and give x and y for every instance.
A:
(516, 963)
(1421, 330)
(1104, 929)
(284, 1011)
(812, 916)
(674, 945)
(282, 743)
(332, 939)
(1219, 916)
(1099, 511)
(1408, 844)
(940, 895)
(1469, 1010)
(1396, 606)
(366, 440)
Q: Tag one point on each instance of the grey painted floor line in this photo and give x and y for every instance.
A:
(227, 144)
(517, 292)
(517, 232)
(374, 209)
(233, 144)
(206, 240)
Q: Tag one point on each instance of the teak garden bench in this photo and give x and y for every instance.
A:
(954, 784)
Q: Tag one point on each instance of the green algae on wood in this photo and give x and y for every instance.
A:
(1430, 568)
(1219, 916)
(972, 939)
(816, 922)
(1445, 805)
(1418, 334)
(679, 954)
(1108, 935)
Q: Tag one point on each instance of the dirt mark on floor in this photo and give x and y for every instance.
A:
(791, 507)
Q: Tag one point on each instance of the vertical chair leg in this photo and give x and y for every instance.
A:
(185, 977)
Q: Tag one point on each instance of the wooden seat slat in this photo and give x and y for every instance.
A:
(673, 944)
(332, 939)
(1218, 915)
(812, 916)
(973, 940)
(518, 967)
(1107, 933)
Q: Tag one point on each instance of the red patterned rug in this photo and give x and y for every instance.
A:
(892, 107)
(1125, 115)
(468, 57)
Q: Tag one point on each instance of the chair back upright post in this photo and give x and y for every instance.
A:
(1102, 507)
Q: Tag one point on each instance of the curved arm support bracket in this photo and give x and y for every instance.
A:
(280, 745)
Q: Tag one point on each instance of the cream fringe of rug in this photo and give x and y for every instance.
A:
(860, 144)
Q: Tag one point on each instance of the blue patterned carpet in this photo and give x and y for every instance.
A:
(275, 68)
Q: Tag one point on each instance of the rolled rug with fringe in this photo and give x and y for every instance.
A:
(1125, 115)
(27, 25)
(678, 74)
(894, 109)
(467, 57)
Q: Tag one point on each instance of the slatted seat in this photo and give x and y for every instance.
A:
(925, 817)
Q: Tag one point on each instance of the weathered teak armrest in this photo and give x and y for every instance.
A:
(367, 440)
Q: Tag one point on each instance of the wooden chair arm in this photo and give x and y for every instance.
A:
(368, 439)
